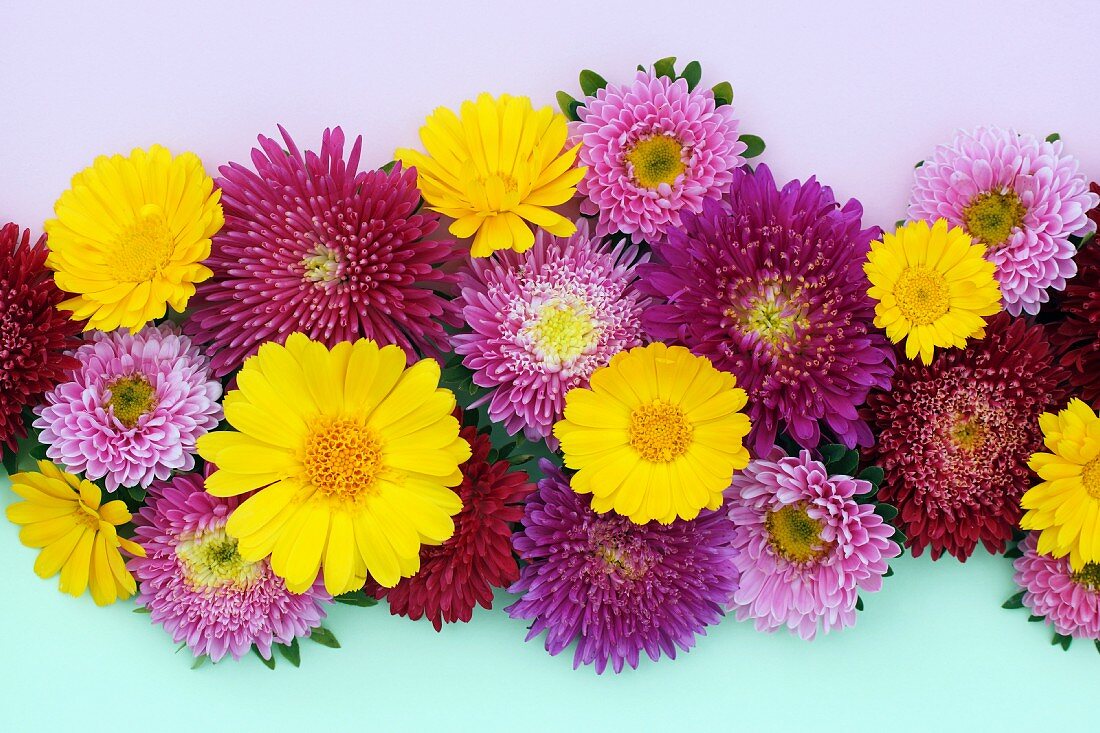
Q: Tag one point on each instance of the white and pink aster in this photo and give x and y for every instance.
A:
(1068, 600)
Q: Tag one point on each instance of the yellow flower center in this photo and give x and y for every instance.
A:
(990, 217)
(1088, 576)
(922, 294)
(343, 458)
(143, 249)
(1090, 477)
(794, 534)
(968, 433)
(131, 397)
(323, 266)
(656, 159)
(562, 330)
(660, 432)
(86, 516)
(211, 560)
(619, 563)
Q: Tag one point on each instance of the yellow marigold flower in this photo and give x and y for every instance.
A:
(1065, 506)
(934, 287)
(352, 454)
(658, 434)
(499, 166)
(130, 235)
(62, 514)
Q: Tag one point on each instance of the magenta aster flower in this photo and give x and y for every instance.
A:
(198, 587)
(615, 587)
(1019, 196)
(313, 244)
(1068, 600)
(542, 321)
(770, 287)
(653, 150)
(806, 546)
(133, 409)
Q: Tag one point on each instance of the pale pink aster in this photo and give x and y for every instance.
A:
(1068, 600)
(807, 547)
(653, 149)
(1020, 196)
(197, 586)
(132, 411)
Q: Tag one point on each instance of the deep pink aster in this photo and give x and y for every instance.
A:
(542, 321)
(807, 548)
(313, 244)
(654, 150)
(770, 287)
(615, 587)
(1018, 195)
(133, 409)
(196, 584)
(1068, 600)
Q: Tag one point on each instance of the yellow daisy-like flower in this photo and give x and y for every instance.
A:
(62, 515)
(658, 434)
(352, 454)
(499, 166)
(1065, 506)
(933, 285)
(130, 235)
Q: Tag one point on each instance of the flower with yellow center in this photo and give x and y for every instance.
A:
(795, 535)
(656, 160)
(1065, 506)
(933, 287)
(499, 166)
(656, 436)
(352, 454)
(62, 515)
(130, 236)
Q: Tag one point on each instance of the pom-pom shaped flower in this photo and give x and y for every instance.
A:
(654, 150)
(313, 244)
(63, 515)
(1078, 335)
(1069, 600)
(615, 587)
(542, 321)
(463, 571)
(352, 455)
(34, 336)
(932, 286)
(806, 546)
(133, 409)
(497, 170)
(1019, 197)
(954, 437)
(198, 587)
(1064, 506)
(768, 287)
(656, 436)
(130, 236)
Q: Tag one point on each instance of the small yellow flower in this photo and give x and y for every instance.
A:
(62, 514)
(1065, 506)
(498, 167)
(934, 287)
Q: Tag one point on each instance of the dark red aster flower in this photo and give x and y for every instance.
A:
(464, 570)
(954, 437)
(1078, 336)
(34, 335)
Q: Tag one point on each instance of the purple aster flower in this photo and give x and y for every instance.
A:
(542, 321)
(769, 286)
(198, 587)
(1019, 196)
(653, 150)
(133, 409)
(806, 547)
(1070, 601)
(615, 587)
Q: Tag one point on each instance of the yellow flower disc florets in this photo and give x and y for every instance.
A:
(211, 559)
(794, 535)
(343, 458)
(992, 216)
(131, 397)
(656, 160)
(660, 432)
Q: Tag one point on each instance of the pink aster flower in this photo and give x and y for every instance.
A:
(133, 409)
(198, 587)
(1070, 601)
(653, 149)
(542, 321)
(1018, 195)
(807, 547)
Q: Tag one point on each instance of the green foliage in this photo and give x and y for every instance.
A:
(324, 637)
(356, 598)
(569, 106)
(692, 74)
(291, 652)
(665, 67)
(755, 145)
(723, 93)
(1053, 137)
(269, 663)
(1016, 601)
(591, 82)
(1061, 639)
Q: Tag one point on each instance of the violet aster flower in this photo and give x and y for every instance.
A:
(133, 409)
(1018, 195)
(769, 286)
(542, 321)
(806, 547)
(615, 587)
(1070, 601)
(653, 150)
(198, 587)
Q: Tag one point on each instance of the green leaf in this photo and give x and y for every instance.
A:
(899, 223)
(832, 452)
(591, 82)
(291, 652)
(899, 536)
(641, 68)
(568, 105)
(723, 93)
(918, 164)
(889, 572)
(199, 661)
(388, 166)
(847, 464)
(859, 603)
(1016, 601)
(1098, 645)
(269, 662)
(357, 598)
(665, 67)
(1060, 639)
(873, 475)
(136, 493)
(324, 637)
(755, 145)
(142, 609)
(1013, 552)
(520, 459)
(1053, 137)
(1035, 618)
(692, 74)
(886, 511)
